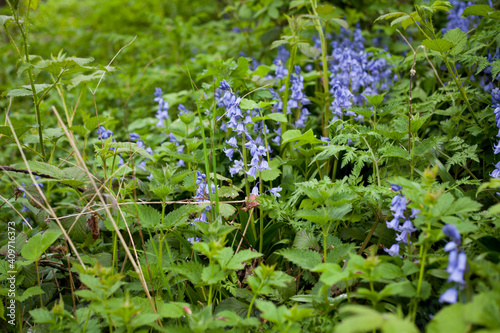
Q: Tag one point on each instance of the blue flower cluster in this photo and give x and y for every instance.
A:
(134, 137)
(162, 113)
(203, 196)
(398, 208)
(104, 133)
(238, 124)
(456, 21)
(457, 263)
(495, 99)
(354, 73)
(298, 98)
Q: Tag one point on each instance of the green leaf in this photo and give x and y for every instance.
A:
(242, 256)
(302, 139)
(248, 104)
(479, 10)
(32, 291)
(180, 215)
(189, 269)
(20, 131)
(439, 45)
(172, 309)
(42, 316)
(33, 4)
(226, 210)
(275, 172)
(46, 168)
(277, 117)
(228, 192)
(39, 243)
(449, 319)
(391, 16)
(306, 259)
(375, 100)
(148, 216)
(395, 151)
(308, 50)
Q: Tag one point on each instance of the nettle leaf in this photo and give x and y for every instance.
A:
(306, 259)
(172, 309)
(180, 215)
(46, 168)
(148, 216)
(242, 256)
(190, 270)
(228, 192)
(124, 147)
(32, 291)
(39, 243)
(20, 131)
(226, 210)
(395, 151)
(479, 10)
(308, 50)
(439, 45)
(364, 319)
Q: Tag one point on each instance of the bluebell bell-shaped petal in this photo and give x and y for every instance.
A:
(393, 250)
(449, 296)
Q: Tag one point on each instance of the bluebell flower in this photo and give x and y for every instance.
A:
(192, 240)
(393, 251)
(255, 190)
(142, 165)
(237, 167)
(276, 191)
(232, 142)
(104, 133)
(457, 262)
(451, 231)
(229, 153)
(396, 188)
(455, 19)
(449, 296)
(134, 136)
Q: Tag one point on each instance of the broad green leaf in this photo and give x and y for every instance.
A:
(226, 210)
(449, 319)
(148, 216)
(439, 45)
(479, 10)
(302, 139)
(32, 291)
(306, 259)
(242, 256)
(275, 172)
(228, 192)
(46, 168)
(248, 104)
(172, 309)
(375, 100)
(39, 243)
(180, 215)
(277, 117)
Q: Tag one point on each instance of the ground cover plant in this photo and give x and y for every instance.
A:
(274, 166)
